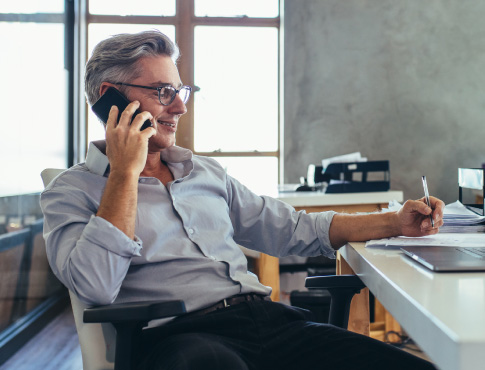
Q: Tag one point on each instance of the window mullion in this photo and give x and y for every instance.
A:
(185, 40)
(132, 19)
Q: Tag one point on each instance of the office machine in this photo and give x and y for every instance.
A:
(470, 179)
(351, 177)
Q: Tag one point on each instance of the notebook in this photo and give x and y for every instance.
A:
(443, 258)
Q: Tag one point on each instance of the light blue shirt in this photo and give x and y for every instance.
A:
(187, 234)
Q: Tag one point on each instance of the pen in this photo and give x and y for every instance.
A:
(426, 195)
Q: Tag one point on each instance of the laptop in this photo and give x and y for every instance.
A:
(443, 258)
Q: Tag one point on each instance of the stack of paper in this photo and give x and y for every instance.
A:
(458, 218)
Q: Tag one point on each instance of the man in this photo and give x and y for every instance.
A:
(143, 219)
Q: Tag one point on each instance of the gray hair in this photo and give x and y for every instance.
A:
(115, 59)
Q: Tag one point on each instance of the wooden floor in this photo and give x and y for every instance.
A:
(56, 347)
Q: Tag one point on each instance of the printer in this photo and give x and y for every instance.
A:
(348, 177)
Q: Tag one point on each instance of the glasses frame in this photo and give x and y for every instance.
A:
(159, 89)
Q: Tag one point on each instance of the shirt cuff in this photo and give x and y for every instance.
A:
(323, 232)
(104, 234)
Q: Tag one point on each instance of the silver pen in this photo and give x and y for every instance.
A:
(426, 195)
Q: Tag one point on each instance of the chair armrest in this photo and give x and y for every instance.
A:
(128, 320)
(342, 289)
(134, 311)
(334, 281)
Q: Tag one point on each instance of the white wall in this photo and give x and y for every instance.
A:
(397, 80)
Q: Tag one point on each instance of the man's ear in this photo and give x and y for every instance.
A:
(104, 86)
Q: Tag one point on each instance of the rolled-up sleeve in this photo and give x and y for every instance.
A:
(87, 253)
(324, 220)
(100, 232)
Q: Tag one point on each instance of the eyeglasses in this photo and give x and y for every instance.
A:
(166, 93)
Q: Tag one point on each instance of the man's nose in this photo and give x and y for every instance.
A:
(178, 105)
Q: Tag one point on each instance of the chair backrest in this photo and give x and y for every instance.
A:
(97, 341)
(49, 174)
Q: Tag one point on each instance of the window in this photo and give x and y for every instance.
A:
(247, 8)
(35, 90)
(230, 53)
(139, 7)
(36, 73)
(238, 99)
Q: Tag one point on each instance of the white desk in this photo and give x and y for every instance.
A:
(443, 312)
(308, 199)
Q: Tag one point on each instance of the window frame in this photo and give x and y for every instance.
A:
(185, 22)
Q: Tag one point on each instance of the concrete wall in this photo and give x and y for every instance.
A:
(397, 80)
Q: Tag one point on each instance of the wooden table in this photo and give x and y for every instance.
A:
(444, 313)
(267, 267)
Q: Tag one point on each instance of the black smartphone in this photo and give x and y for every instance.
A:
(112, 97)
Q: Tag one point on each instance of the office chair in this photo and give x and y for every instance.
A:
(316, 300)
(108, 334)
(342, 289)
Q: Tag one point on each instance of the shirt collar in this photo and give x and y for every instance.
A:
(176, 154)
(97, 161)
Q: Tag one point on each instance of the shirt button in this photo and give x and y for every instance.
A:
(191, 231)
(212, 258)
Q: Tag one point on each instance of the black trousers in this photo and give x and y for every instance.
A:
(264, 335)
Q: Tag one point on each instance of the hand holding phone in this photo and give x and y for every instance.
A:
(112, 97)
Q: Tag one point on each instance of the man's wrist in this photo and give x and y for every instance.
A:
(395, 224)
(124, 174)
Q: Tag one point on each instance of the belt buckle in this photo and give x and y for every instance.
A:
(225, 303)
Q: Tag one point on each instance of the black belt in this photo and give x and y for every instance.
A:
(231, 301)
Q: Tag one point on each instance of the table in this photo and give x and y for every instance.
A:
(267, 267)
(444, 313)
(342, 202)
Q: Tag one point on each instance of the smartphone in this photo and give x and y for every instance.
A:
(112, 97)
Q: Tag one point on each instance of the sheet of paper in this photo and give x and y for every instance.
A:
(352, 157)
(447, 239)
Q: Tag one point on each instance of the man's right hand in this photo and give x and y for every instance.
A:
(126, 145)
(127, 150)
